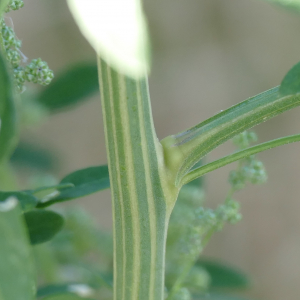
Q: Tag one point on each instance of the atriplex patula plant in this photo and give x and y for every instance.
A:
(146, 174)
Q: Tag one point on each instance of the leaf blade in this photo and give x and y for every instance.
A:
(224, 276)
(43, 225)
(27, 200)
(85, 182)
(290, 84)
(70, 87)
(17, 276)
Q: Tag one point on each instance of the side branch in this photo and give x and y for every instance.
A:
(196, 173)
(184, 150)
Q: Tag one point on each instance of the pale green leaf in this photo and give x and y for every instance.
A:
(17, 276)
(118, 32)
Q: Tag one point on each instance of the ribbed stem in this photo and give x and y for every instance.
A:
(139, 187)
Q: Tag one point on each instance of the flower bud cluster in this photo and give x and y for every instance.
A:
(250, 169)
(14, 5)
(216, 219)
(37, 71)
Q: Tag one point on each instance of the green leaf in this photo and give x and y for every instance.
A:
(65, 297)
(27, 200)
(71, 87)
(7, 111)
(43, 225)
(17, 274)
(85, 182)
(290, 85)
(32, 156)
(58, 289)
(117, 31)
(223, 276)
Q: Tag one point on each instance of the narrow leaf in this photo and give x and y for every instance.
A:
(185, 149)
(58, 289)
(117, 30)
(17, 276)
(290, 85)
(85, 182)
(43, 225)
(7, 111)
(224, 276)
(198, 172)
(27, 200)
(70, 88)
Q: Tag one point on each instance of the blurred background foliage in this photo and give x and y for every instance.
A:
(207, 56)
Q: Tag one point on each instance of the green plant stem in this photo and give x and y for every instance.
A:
(142, 195)
(185, 149)
(198, 172)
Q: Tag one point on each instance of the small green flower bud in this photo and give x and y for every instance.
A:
(14, 57)
(38, 72)
(237, 179)
(14, 5)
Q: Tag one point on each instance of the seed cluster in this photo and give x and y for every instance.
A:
(37, 71)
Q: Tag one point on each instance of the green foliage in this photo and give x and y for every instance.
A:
(290, 84)
(81, 183)
(27, 200)
(69, 258)
(42, 225)
(77, 261)
(223, 276)
(53, 290)
(33, 156)
(17, 276)
(70, 87)
(37, 71)
(66, 296)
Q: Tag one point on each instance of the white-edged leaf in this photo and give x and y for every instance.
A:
(118, 32)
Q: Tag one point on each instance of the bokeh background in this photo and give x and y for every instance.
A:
(207, 56)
